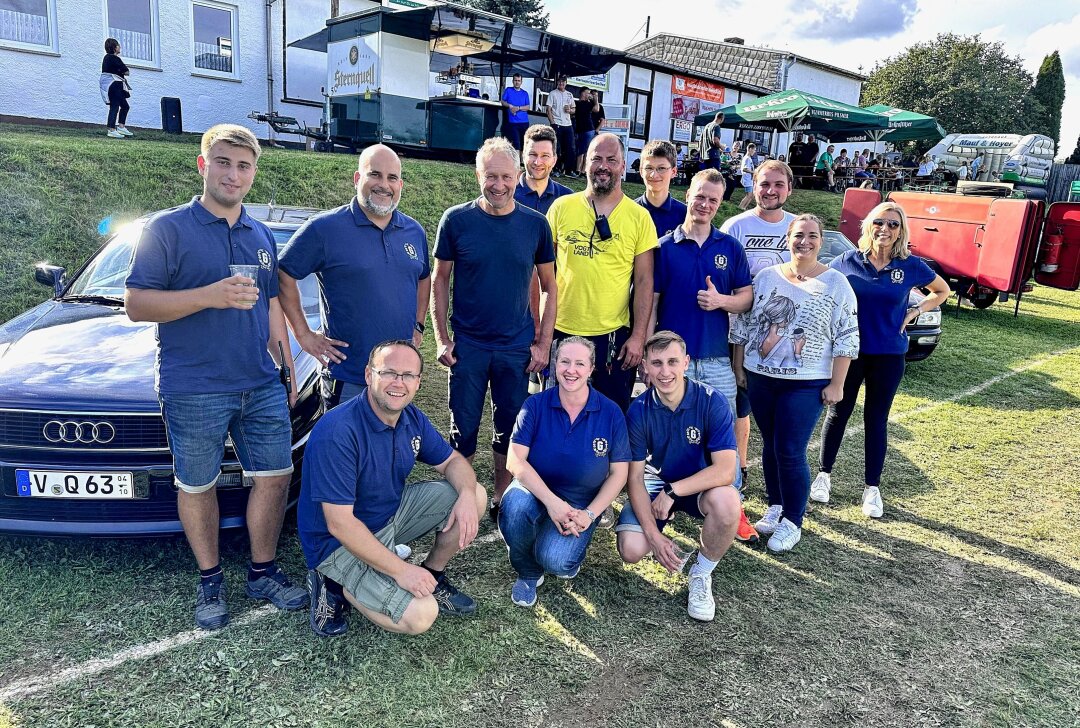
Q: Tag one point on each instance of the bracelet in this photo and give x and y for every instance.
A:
(592, 516)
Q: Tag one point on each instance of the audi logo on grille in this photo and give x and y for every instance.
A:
(85, 433)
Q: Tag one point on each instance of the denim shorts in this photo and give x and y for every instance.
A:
(582, 140)
(716, 372)
(197, 425)
(688, 504)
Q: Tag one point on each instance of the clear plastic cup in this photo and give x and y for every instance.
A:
(248, 271)
(683, 555)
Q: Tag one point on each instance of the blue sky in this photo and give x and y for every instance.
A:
(846, 33)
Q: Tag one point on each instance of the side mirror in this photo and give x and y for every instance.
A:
(50, 275)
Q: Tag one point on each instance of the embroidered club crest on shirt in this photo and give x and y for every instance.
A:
(416, 445)
(897, 276)
(410, 250)
(599, 447)
(720, 261)
(693, 435)
(264, 259)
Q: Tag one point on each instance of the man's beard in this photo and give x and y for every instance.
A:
(378, 210)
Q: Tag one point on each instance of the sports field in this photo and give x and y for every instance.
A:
(961, 607)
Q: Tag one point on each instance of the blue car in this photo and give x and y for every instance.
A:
(82, 441)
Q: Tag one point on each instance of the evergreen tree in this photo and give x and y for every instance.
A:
(1074, 158)
(1049, 91)
(526, 12)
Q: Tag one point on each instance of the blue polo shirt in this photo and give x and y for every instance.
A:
(667, 217)
(213, 351)
(494, 257)
(680, 271)
(517, 97)
(367, 277)
(572, 458)
(528, 197)
(882, 297)
(355, 459)
(678, 444)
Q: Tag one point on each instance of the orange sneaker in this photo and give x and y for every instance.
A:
(746, 532)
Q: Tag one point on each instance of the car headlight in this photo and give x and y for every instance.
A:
(929, 318)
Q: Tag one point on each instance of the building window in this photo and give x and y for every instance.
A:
(639, 103)
(214, 28)
(134, 24)
(29, 24)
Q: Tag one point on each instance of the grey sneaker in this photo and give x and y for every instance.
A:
(279, 591)
(211, 612)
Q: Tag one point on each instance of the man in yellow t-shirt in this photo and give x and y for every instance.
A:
(604, 241)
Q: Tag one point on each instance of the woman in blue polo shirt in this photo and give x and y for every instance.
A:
(882, 272)
(569, 456)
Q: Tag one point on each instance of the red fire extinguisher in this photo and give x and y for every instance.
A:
(1052, 250)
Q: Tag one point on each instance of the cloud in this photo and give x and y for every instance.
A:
(855, 19)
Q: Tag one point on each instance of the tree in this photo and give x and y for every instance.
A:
(1074, 158)
(526, 12)
(1049, 91)
(969, 85)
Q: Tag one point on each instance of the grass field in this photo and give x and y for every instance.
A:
(961, 607)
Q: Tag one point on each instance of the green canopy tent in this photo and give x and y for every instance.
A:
(797, 111)
(904, 126)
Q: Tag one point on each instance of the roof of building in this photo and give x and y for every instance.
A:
(741, 64)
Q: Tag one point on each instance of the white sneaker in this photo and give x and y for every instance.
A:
(819, 489)
(871, 502)
(123, 130)
(700, 604)
(403, 551)
(769, 521)
(114, 134)
(785, 537)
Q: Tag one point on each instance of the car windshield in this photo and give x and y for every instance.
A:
(833, 244)
(105, 274)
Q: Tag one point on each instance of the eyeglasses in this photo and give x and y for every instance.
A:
(892, 224)
(656, 170)
(389, 375)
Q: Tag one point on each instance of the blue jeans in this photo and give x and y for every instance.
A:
(786, 411)
(716, 372)
(535, 544)
(567, 157)
(582, 140)
(197, 425)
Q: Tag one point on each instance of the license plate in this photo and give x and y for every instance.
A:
(58, 484)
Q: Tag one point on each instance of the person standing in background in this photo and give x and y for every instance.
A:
(115, 90)
(516, 102)
(560, 109)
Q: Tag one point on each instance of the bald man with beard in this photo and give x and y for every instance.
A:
(374, 273)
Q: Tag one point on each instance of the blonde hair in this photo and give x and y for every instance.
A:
(866, 238)
(232, 134)
(497, 145)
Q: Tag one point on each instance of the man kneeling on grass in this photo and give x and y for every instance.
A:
(682, 450)
(355, 507)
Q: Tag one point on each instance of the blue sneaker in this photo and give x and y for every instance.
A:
(327, 614)
(571, 575)
(211, 612)
(523, 592)
(278, 590)
(451, 601)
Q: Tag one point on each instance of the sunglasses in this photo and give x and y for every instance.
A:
(892, 224)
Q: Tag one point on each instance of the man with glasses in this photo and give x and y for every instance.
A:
(603, 242)
(658, 169)
(355, 506)
(492, 247)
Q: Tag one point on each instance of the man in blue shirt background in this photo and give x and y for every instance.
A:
(493, 247)
(536, 189)
(516, 101)
(658, 169)
(374, 274)
(355, 506)
(215, 374)
(682, 450)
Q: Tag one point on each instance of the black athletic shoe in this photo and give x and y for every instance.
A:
(327, 614)
(451, 601)
(493, 511)
(211, 612)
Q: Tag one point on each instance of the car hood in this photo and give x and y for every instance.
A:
(77, 356)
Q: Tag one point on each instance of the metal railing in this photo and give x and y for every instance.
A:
(209, 57)
(133, 44)
(24, 27)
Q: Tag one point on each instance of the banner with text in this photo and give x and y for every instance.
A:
(352, 66)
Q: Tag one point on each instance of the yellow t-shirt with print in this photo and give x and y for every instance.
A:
(594, 275)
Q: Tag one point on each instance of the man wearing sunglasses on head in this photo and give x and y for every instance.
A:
(604, 241)
(355, 506)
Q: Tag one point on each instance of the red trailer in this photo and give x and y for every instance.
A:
(986, 247)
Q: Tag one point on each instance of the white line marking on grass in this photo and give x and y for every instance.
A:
(25, 687)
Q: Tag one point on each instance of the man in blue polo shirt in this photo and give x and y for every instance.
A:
(516, 102)
(373, 269)
(535, 188)
(702, 276)
(355, 506)
(493, 247)
(682, 450)
(215, 374)
(658, 168)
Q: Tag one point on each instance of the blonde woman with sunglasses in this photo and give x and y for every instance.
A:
(882, 273)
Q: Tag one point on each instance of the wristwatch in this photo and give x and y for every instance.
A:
(669, 490)
(419, 326)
